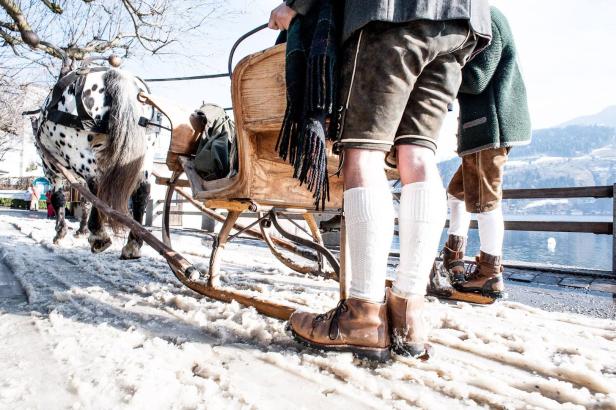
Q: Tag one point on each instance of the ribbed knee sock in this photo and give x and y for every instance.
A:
(491, 231)
(369, 214)
(423, 210)
(460, 218)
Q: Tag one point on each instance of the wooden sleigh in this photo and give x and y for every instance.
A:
(263, 185)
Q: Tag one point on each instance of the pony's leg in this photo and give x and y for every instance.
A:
(99, 239)
(139, 198)
(86, 207)
(58, 201)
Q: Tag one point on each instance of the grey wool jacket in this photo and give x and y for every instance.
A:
(358, 13)
(493, 103)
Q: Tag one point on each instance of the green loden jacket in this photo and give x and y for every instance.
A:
(493, 106)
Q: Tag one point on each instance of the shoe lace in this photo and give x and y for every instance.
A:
(471, 271)
(452, 263)
(332, 315)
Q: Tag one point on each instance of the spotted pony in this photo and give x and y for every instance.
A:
(92, 123)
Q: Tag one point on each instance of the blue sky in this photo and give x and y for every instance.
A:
(566, 52)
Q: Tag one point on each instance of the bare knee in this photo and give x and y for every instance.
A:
(416, 164)
(363, 168)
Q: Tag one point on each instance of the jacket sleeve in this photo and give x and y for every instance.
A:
(301, 6)
(478, 72)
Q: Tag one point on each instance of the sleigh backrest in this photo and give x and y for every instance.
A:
(259, 102)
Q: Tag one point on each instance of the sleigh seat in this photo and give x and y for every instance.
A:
(259, 101)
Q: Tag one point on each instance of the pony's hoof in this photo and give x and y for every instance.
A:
(129, 257)
(59, 236)
(100, 242)
(100, 245)
(130, 251)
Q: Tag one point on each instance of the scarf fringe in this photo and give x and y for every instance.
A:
(306, 151)
(287, 143)
(310, 166)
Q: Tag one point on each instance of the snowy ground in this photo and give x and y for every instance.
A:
(97, 332)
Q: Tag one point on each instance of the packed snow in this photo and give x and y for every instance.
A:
(98, 332)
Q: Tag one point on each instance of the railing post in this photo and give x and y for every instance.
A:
(149, 213)
(208, 224)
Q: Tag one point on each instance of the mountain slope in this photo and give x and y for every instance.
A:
(607, 118)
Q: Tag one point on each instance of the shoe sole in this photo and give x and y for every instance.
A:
(477, 295)
(420, 351)
(373, 354)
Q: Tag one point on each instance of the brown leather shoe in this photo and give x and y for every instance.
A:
(409, 332)
(453, 258)
(353, 326)
(486, 279)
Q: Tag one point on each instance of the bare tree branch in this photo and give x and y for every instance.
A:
(54, 7)
(13, 10)
(73, 30)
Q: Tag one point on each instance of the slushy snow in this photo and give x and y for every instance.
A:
(98, 332)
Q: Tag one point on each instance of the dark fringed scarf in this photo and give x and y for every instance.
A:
(311, 77)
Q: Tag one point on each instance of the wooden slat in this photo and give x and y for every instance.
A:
(263, 93)
(557, 193)
(181, 213)
(230, 205)
(173, 201)
(165, 181)
(599, 228)
(273, 183)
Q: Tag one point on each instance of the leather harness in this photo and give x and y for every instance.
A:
(83, 120)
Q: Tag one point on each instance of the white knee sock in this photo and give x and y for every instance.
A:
(460, 218)
(423, 211)
(369, 214)
(491, 231)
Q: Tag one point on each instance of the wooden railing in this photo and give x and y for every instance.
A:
(598, 228)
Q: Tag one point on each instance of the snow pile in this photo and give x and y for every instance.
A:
(103, 333)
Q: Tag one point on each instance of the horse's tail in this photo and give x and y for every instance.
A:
(123, 156)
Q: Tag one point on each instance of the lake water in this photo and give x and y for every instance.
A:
(584, 250)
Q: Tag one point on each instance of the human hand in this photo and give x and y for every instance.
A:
(281, 17)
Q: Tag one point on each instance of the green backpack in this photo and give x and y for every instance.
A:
(216, 155)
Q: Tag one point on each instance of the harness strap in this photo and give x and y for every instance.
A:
(83, 120)
(81, 110)
(74, 121)
(59, 88)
